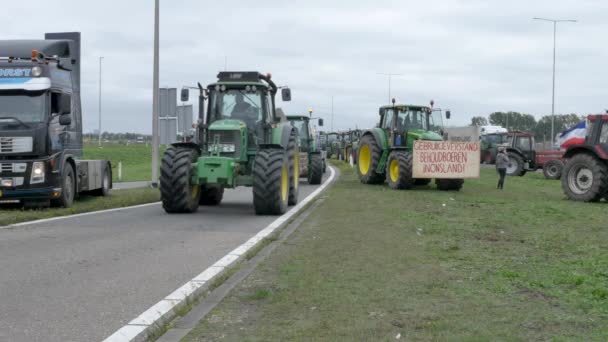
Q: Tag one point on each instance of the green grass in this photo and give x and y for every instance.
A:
(478, 265)
(136, 159)
(117, 198)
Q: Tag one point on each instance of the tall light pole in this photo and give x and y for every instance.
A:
(390, 75)
(155, 94)
(554, 21)
(332, 113)
(100, 59)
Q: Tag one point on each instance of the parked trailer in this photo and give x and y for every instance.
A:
(41, 124)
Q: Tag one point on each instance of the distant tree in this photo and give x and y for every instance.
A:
(513, 121)
(479, 121)
(562, 122)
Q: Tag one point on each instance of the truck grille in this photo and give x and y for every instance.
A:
(16, 144)
(13, 167)
(227, 137)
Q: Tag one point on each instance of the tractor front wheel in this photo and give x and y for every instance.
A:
(399, 170)
(516, 165)
(271, 181)
(294, 169)
(176, 191)
(211, 194)
(315, 169)
(449, 184)
(422, 181)
(585, 178)
(553, 169)
(368, 160)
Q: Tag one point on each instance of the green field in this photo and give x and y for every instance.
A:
(85, 203)
(136, 159)
(374, 264)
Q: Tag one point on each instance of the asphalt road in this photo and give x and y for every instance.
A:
(82, 278)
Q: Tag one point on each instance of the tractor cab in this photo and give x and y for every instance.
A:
(597, 129)
(405, 123)
(519, 145)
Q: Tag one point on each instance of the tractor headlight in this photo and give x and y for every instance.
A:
(223, 148)
(36, 71)
(37, 173)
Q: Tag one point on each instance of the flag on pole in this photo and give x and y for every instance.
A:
(573, 136)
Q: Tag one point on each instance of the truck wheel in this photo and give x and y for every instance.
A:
(294, 169)
(422, 181)
(516, 165)
(176, 191)
(368, 160)
(553, 169)
(399, 170)
(449, 184)
(68, 188)
(585, 178)
(211, 195)
(105, 183)
(315, 169)
(271, 182)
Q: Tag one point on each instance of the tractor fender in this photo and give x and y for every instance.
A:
(379, 135)
(281, 134)
(595, 151)
(187, 145)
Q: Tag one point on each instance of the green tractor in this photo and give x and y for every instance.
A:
(241, 141)
(385, 152)
(333, 144)
(351, 145)
(311, 159)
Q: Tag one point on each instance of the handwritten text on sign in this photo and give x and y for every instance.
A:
(446, 159)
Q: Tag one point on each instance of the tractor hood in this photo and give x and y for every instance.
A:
(420, 134)
(227, 125)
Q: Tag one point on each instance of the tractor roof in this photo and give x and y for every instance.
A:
(298, 117)
(404, 105)
(244, 78)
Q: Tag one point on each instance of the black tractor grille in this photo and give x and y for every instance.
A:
(226, 137)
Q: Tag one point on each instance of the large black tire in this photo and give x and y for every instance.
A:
(106, 181)
(368, 160)
(324, 165)
(449, 184)
(176, 191)
(211, 195)
(294, 169)
(553, 169)
(315, 169)
(68, 188)
(271, 181)
(399, 170)
(516, 165)
(422, 181)
(585, 178)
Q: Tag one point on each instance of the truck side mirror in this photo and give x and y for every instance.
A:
(320, 122)
(286, 94)
(448, 114)
(64, 105)
(185, 95)
(65, 119)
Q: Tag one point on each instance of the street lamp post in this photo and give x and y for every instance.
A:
(155, 94)
(100, 59)
(554, 21)
(390, 75)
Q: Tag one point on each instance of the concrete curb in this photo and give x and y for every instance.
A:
(156, 317)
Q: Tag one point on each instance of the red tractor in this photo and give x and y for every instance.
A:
(585, 175)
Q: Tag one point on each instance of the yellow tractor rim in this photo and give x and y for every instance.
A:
(365, 159)
(194, 190)
(394, 170)
(296, 170)
(284, 183)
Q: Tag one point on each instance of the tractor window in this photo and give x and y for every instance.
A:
(604, 134)
(302, 131)
(388, 119)
(412, 118)
(237, 104)
(524, 143)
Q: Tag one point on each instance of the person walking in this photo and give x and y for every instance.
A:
(502, 162)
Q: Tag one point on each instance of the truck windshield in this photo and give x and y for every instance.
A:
(23, 106)
(412, 118)
(236, 104)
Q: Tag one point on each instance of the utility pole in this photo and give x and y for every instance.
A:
(554, 21)
(390, 75)
(332, 113)
(155, 94)
(100, 59)
(225, 63)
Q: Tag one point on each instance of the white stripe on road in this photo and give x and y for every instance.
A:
(164, 311)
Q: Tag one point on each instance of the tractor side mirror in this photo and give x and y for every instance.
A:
(64, 105)
(185, 95)
(286, 94)
(320, 122)
(448, 114)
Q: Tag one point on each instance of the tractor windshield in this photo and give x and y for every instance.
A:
(236, 104)
(412, 118)
(436, 121)
(332, 137)
(302, 127)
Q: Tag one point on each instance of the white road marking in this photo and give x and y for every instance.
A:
(164, 311)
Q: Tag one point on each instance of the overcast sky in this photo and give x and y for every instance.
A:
(471, 56)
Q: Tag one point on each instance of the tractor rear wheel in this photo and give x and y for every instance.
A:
(294, 169)
(553, 169)
(271, 181)
(449, 184)
(516, 165)
(399, 170)
(315, 169)
(211, 194)
(176, 191)
(368, 160)
(422, 181)
(585, 178)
